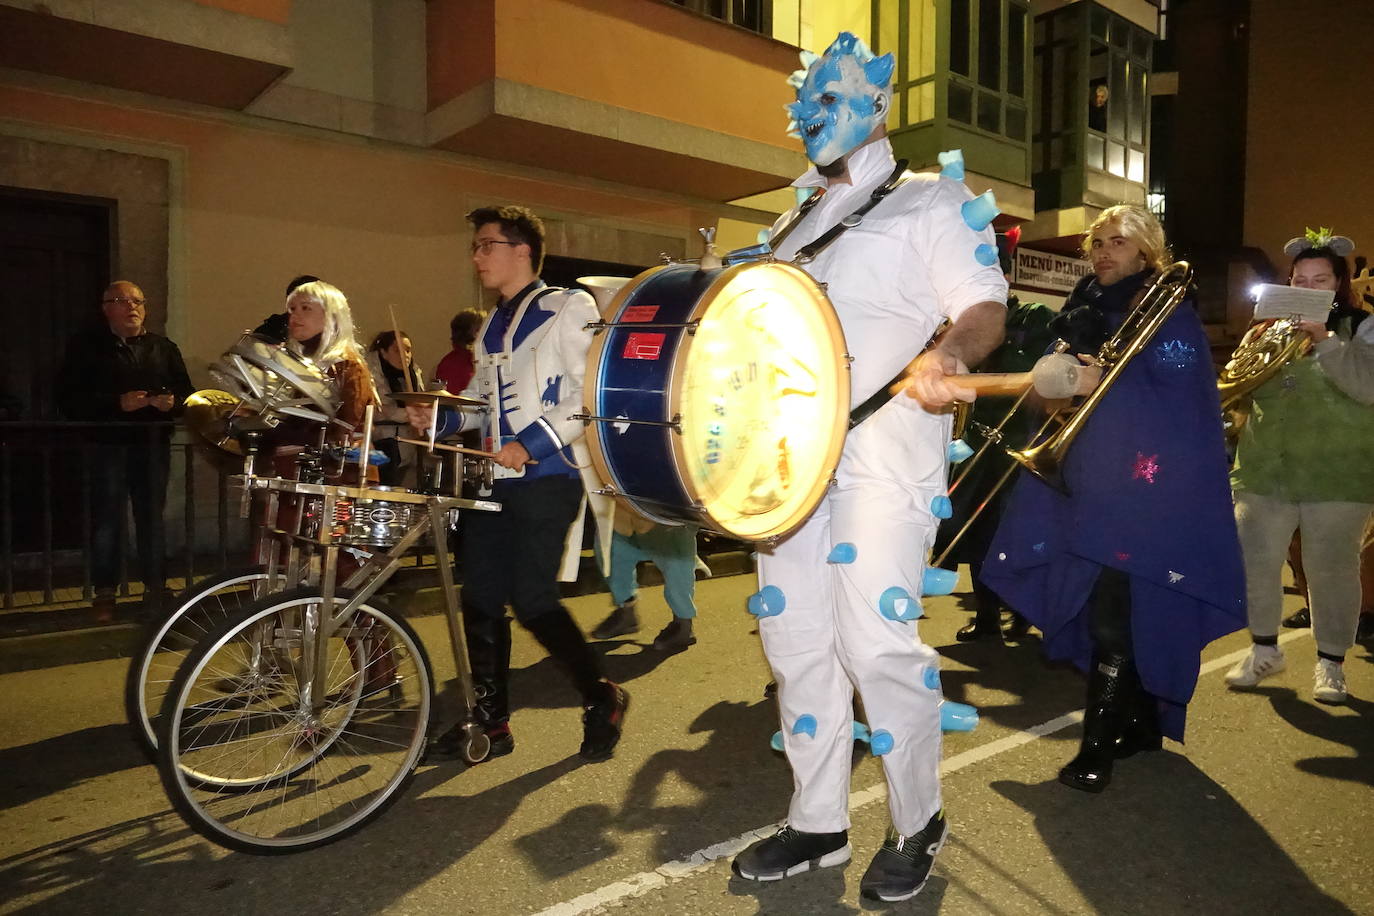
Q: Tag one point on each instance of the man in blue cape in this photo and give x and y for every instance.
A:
(1135, 566)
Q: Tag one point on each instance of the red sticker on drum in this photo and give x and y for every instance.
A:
(639, 313)
(644, 345)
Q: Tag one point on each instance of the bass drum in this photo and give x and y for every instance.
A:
(719, 397)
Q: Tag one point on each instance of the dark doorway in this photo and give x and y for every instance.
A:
(54, 263)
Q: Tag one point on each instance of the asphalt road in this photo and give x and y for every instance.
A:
(1267, 809)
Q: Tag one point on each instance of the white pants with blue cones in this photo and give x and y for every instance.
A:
(837, 603)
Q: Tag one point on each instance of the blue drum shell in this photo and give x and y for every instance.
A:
(640, 459)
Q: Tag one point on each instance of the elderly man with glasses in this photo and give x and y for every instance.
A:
(123, 373)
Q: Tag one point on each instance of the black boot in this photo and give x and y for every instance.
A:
(1091, 770)
(1140, 728)
(1016, 627)
(489, 655)
(620, 622)
(987, 620)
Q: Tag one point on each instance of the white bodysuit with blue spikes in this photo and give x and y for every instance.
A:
(839, 597)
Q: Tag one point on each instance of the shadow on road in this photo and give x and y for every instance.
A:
(1164, 831)
(736, 753)
(822, 892)
(53, 764)
(148, 863)
(1016, 669)
(544, 685)
(1355, 732)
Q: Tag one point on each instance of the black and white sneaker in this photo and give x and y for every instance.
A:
(899, 870)
(790, 852)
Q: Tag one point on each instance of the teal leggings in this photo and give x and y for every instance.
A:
(672, 550)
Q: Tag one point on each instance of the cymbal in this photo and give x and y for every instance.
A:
(205, 413)
(444, 398)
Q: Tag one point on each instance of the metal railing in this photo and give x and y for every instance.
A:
(47, 473)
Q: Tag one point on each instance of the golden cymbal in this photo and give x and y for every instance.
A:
(444, 398)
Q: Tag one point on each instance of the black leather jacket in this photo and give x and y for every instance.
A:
(100, 366)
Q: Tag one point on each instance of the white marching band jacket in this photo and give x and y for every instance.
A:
(537, 386)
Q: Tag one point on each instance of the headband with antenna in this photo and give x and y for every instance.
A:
(1338, 245)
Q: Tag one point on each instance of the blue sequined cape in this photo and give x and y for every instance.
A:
(1149, 496)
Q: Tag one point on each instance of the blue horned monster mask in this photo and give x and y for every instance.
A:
(842, 95)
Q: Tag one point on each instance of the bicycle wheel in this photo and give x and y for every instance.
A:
(248, 763)
(198, 609)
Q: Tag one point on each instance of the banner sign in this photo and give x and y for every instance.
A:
(1047, 271)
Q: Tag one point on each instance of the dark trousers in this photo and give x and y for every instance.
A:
(1109, 614)
(134, 473)
(390, 474)
(512, 557)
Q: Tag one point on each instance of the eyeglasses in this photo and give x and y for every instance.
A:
(123, 300)
(484, 245)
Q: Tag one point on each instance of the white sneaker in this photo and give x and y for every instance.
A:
(1258, 665)
(1328, 682)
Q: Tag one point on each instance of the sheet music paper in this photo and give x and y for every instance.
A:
(1277, 301)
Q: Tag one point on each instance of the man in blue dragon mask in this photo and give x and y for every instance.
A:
(900, 253)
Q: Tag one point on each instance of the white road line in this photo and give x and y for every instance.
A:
(704, 858)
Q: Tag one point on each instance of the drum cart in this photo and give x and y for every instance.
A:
(300, 703)
(300, 717)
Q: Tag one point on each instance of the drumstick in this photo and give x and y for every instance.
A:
(1054, 376)
(455, 448)
(401, 350)
(983, 382)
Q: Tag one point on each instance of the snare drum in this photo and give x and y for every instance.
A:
(280, 380)
(719, 397)
(367, 522)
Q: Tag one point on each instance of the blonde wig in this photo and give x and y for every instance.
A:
(336, 340)
(1140, 226)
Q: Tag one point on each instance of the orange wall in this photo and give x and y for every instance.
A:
(1310, 131)
(642, 55)
(461, 50)
(278, 11)
(382, 223)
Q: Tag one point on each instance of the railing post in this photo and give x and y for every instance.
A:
(188, 462)
(122, 516)
(87, 575)
(46, 490)
(6, 524)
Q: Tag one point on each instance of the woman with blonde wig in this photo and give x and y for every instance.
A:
(320, 326)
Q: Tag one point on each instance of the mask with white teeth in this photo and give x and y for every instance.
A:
(842, 96)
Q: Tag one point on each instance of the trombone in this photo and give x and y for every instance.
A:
(1058, 378)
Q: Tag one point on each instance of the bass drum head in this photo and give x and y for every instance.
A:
(763, 396)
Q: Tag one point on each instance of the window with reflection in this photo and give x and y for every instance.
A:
(1118, 103)
(754, 15)
(985, 85)
(910, 30)
(1102, 111)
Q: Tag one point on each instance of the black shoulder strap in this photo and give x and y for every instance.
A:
(534, 300)
(806, 207)
(894, 181)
